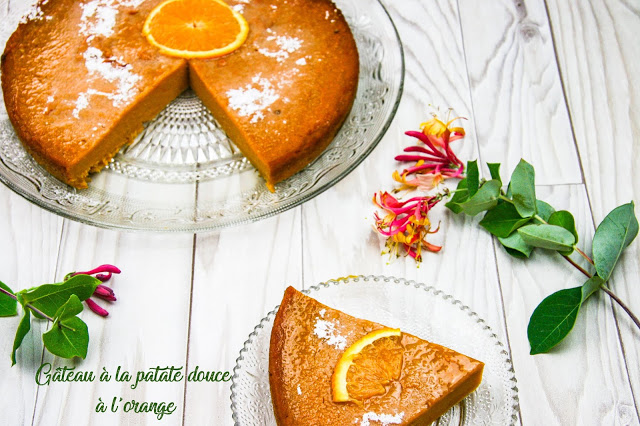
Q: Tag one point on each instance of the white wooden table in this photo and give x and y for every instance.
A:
(555, 82)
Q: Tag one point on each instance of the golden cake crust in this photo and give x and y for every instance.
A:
(77, 91)
(301, 364)
(45, 78)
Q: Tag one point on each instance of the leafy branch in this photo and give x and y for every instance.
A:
(523, 223)
(60, 304)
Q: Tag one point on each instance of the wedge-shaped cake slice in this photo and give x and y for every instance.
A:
(329, 368)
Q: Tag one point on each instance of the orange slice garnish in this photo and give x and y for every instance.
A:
(367, 366)
(195, 28)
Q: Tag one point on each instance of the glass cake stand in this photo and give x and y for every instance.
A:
(415, 308)
(183, 173)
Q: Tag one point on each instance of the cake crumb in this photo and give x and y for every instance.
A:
(326, 330)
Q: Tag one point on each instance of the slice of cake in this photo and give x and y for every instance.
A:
(329, 368)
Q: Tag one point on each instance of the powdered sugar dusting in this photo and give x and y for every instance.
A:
(383, 419)
(326, 330)
(35, 13)
(99, 20)
(81, 103)
(322, 312)
(99, 16)
(240, 6)
(299, 390)
(253, 99)
(285, 44)
(113, 70)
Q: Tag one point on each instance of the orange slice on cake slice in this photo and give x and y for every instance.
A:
(330, 368)
(195, 28)
(368, 365)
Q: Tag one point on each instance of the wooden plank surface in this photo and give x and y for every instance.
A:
(518, 103)
(559, 388)
(239, 276)
(31, 237)
(597, 47)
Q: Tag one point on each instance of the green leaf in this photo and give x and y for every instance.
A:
(613, 235)
(523, 189)
(549, 237)
(50, 297)
(515, 246)
(473, 177)
(23, 329)
(592, 285)
(502, 220)
(564, 219)
(68, 342)
(8, 305)
(70, 309)
(461, 195)
(544, 210)
(553, 319)
(68, 336)
(494, 169)
(486, 198)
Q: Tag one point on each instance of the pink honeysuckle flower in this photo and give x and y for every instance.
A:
(96, 308)
(422, 182)
(406, 224)
(434, 161)
(104, 274)
(438, 128)
(98, 272)
(105, 293)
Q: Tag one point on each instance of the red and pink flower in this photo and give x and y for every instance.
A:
(406, 224)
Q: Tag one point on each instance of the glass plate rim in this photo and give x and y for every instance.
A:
(212, 228)
(515, 402)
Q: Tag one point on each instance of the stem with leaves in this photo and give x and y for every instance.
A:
(27, 305)
(622, 305)
(523, 223)
(59, 303)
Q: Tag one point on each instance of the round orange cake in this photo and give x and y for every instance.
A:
(79, 80)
